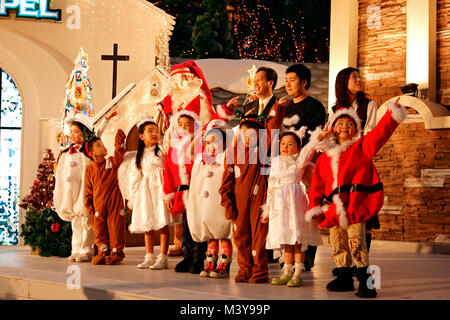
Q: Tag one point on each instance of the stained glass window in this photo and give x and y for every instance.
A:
(10, 143)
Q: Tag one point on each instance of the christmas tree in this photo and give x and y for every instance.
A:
(211, 37)
(41, 194)
(43, 229)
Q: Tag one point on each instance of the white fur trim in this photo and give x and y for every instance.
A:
(300, 132)
(335, 154)
(192, 114)
(312, 213)
(222, 111)
(340, 211)
(216, 124)
(351, 114)
(288, 122)
(181, 157)
(168, 196)
(398, 114)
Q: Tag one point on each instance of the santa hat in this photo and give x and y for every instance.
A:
(192, 110)
(190, 67)
(349, 113)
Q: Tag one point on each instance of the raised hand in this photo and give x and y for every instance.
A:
(326, 132)
(285, 101)
(113, 113)
(232, 103)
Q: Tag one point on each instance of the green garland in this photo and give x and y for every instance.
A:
(44, 230)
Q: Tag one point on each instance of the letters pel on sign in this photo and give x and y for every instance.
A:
(35, 9)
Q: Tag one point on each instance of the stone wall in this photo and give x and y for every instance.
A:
(443, 52)
(415, 163)
(382, 48)
(414, 167)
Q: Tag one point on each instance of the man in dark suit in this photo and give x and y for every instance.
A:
(264, 83)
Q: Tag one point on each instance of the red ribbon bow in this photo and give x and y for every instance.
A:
(73, 149)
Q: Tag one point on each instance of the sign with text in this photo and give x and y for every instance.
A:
(34, 9)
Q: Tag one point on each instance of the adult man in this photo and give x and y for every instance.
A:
(303, 111)
(264, 83)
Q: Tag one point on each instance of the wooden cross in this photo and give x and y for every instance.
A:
(115, 57)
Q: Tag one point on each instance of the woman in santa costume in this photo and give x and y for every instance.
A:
(346, 190)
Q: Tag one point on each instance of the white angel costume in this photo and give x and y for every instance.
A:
(287, 202)
(144, 190)
(204, 213)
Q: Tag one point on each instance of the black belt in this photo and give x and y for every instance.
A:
(182, 187)
(352, 188)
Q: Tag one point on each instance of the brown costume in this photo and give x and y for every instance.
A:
(104, 201)
(243, 191)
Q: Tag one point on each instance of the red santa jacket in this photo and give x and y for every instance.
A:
(178, 166)
(349, 166)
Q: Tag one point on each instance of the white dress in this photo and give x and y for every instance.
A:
(287, 203)
(146, 193)
(204, 213)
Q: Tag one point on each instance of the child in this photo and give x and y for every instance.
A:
(149, 211)
(205, 215)
(68, 195)
(243, 191)
(177, 176)
(346, 191)
(287, 203)
(104, 201)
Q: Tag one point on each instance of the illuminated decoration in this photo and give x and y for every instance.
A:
(258, 37)
(162, 46)
(10, 145)
(78, 87)
(251, 95)
(35, 9)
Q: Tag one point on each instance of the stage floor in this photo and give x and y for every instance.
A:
(403, 275)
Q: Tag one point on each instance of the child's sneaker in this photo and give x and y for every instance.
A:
(161, 262)
(84, 257)
(72, 257)
(210, 265)
(295, 282)
(223, 270)
(149, 260)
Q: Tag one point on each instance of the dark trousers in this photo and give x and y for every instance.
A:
(192, 249)
(368, 240)
(310, 256)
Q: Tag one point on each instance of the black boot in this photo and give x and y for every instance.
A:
(197, 266)
(363, 290)
(184, 265)
(343, 282)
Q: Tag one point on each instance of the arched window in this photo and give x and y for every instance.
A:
(10, 144)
